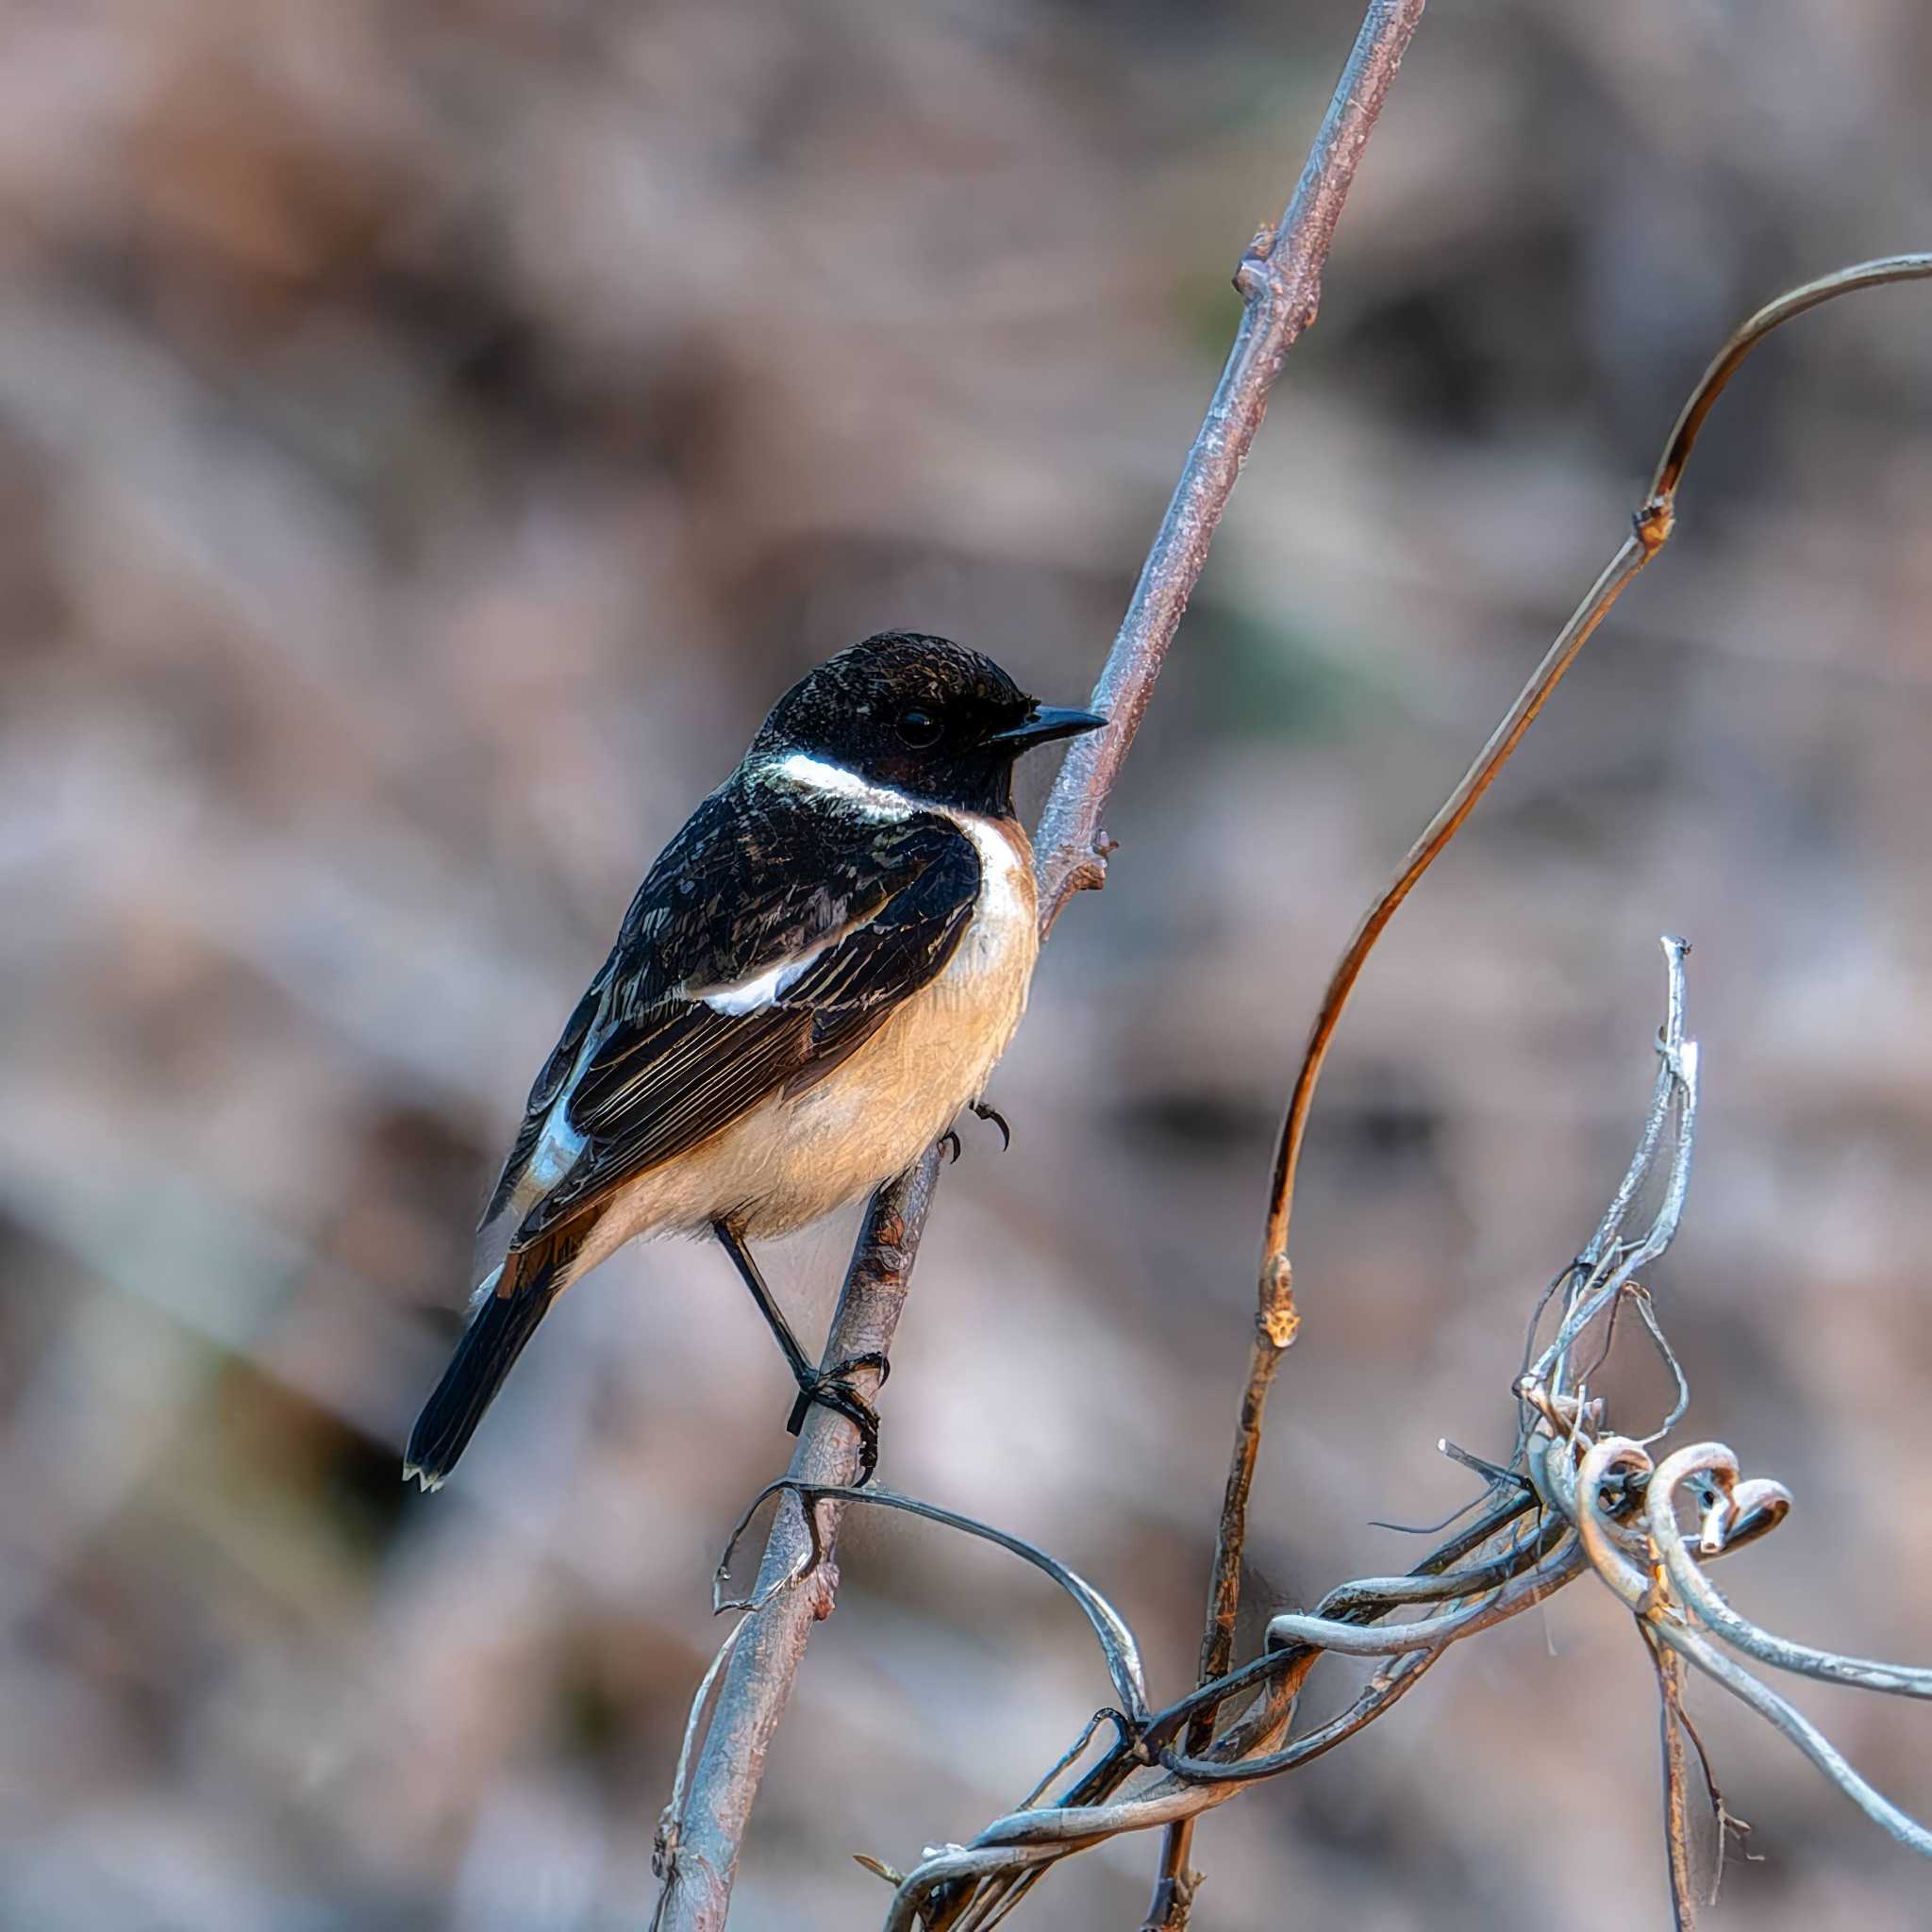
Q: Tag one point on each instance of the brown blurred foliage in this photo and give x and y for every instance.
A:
(430, 435)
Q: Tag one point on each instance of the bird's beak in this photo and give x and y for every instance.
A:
(1043, 725)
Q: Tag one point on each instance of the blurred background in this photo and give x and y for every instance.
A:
(431, 435)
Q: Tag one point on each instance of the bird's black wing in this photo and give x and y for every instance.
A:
(818, 920)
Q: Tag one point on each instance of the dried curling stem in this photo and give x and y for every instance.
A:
(1278, 1319)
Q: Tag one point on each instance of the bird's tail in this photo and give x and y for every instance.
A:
(506, 1317)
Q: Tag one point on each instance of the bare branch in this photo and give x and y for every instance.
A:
(1430, 1633)
(1280, 280)
(759, 1673)
(670, 1838)
(1799, 1730)
(1672, 1729)
(1675, 1077)
(1606, 1267)
(1418, 1652)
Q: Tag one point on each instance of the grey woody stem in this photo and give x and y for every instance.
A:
(701, 1860)
(1280, 281)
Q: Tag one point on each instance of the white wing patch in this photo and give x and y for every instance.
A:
(557, 1149)
(761, 988)
(557, 1152)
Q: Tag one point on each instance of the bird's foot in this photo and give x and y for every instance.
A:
(949, 1141)
(830, 1388)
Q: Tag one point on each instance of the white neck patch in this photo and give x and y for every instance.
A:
(808, 773)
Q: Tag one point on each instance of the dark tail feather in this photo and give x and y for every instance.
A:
(491, 1345)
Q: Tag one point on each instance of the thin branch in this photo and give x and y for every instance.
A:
(1276, 1318)
(670, 1838)
(1280, 281)
(1074, 1750)
(1673, 1728)
(1606, 1268)
(1796, 1725)
(759, 1675)
(1366, 1599)
(1393, 1639)
(1523, 1592)
(1671, 1076)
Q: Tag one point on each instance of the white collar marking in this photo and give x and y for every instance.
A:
(808, 773)
(1001, 902)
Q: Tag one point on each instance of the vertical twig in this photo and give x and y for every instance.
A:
(1280, 278)
(1280, 281)
(1671, 1723)
(759, 1677)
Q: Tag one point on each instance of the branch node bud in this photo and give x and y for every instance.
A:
(1655, 521)
(1278, 1319)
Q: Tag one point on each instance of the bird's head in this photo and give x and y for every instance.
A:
(919, 715)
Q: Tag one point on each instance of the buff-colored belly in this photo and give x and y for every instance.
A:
(795, 1159)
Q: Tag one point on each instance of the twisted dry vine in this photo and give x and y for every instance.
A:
(1577, 1500)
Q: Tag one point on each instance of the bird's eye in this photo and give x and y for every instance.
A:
(920, 729)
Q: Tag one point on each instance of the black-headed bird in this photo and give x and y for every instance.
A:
(816, 976)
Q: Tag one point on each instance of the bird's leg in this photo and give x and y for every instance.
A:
(826, 1387)
(748, 1271)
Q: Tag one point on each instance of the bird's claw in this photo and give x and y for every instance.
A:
(830, 1390)
(949, 1136)
(998, 1119)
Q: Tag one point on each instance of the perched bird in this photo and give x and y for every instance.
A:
(815, 977)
